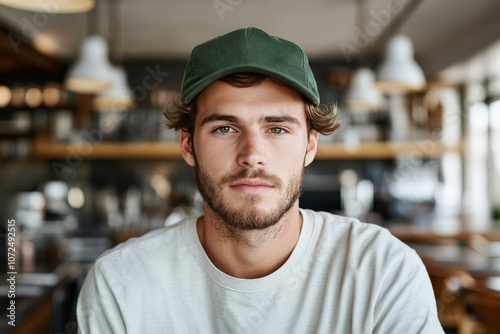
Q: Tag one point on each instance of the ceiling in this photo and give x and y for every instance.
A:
(444, 32)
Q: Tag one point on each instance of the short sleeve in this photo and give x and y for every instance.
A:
(97, 308)
(406, 302)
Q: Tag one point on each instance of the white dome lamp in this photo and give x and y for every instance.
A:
(363, 95)
(91, 73)
(56, 7)
(399, 72)
(119, 96)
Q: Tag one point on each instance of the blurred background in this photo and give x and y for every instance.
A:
(86, 163)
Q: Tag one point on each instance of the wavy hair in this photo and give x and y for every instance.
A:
(180, 116)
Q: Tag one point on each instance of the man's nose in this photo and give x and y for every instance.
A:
(251, 150)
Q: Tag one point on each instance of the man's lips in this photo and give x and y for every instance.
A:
(252, 186)
(252, 183)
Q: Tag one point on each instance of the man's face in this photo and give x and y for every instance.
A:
(249, 150)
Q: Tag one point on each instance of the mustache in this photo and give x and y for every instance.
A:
(252, 174)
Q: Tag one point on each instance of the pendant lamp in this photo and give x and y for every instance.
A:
(363, 95)
(56, 7)
(399, 72)
(91, 73)
(119, 96)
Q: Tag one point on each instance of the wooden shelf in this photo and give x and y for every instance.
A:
(385, 150)
(44, 149)
(143, 150)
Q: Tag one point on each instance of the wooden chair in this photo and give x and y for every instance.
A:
(486, 306)
(448, 284)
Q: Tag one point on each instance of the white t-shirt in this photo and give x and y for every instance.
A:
(343, 276)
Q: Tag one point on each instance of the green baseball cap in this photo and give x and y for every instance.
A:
(248, 50)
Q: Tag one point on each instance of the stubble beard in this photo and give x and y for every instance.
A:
(248, 216)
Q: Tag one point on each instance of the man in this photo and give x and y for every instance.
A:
(249, 117)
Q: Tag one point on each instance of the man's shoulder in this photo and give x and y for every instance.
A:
(350, 230)
(333, 221)
(362, 246)
(162, 240)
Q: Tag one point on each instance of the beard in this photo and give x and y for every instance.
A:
(248, 216)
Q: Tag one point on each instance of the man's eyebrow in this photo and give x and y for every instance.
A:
(219, 117)
(281, 119)
(235, 119)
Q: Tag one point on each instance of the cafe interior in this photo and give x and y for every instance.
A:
(86, 161)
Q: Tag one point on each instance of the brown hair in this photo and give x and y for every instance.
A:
(322, 118)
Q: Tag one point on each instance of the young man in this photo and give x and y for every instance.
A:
(249, 118)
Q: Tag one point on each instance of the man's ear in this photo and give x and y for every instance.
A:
(186, 147)
(312, 147)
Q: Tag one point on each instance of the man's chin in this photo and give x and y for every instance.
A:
(250, 217)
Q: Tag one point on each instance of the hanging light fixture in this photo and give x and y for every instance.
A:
(56, 7)
(91, 73)
(399, 72)
(362, 94)
(119, 97)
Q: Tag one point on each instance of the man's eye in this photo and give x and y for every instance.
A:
(277, 130)
(224, 129)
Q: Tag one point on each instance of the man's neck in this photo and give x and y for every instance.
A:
(249, 254)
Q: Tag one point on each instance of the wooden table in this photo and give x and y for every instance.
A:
(483, 262)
